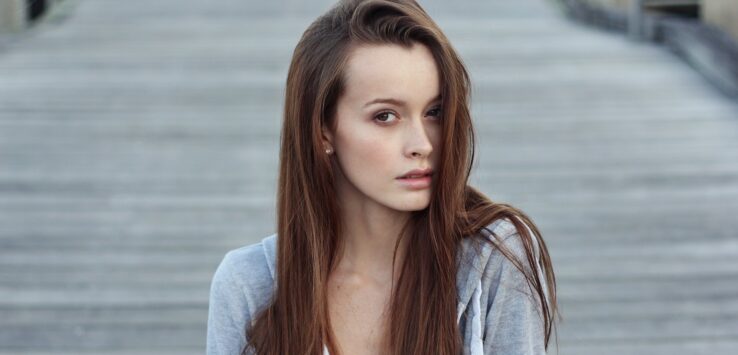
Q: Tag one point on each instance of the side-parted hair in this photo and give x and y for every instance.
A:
(423, 304)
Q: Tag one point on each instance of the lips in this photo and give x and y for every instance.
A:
(416, 180)
(417, 173)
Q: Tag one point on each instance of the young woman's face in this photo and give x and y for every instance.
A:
(388, 123)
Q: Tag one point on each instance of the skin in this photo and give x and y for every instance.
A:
(373, 145)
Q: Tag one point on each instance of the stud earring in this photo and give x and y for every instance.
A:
(328, 150)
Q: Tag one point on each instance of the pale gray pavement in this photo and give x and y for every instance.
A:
(138, 143)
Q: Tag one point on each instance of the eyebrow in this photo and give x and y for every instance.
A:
(394, 101)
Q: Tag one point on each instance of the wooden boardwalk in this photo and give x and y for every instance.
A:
(139, 142)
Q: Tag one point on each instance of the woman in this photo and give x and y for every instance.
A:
(381, 246)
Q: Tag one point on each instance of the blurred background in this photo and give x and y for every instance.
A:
(139, 143)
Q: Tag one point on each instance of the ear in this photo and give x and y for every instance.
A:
(327, 136)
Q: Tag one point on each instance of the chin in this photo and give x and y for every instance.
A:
(415, 205)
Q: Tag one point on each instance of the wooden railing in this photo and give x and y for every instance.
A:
(15, 15)
(638, 27)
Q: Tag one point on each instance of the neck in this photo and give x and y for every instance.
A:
(370, 232)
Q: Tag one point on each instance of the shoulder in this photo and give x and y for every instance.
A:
(514, 321)
(250, 260)
(511, 274)
(510, 237)
(241, 286)
(501, 309)
(484, 246)
(498, 255)
(480, 258)
(247, 272)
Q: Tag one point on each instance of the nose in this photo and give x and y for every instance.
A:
(418, 142)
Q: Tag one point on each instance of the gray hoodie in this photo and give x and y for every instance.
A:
(497, 311)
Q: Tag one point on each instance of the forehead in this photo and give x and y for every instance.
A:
(390, 70)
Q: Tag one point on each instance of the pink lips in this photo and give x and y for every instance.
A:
(421, 179)
(426, 171)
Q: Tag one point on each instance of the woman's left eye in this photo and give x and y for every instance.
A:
(436, 112)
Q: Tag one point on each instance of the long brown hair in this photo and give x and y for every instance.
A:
(423, 306)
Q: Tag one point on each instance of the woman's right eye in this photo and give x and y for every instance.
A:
(383, 117)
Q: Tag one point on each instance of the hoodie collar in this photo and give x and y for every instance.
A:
(471, 259)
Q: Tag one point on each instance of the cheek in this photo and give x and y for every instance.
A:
(363, 154)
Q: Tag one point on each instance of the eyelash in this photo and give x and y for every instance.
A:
(390, 112)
